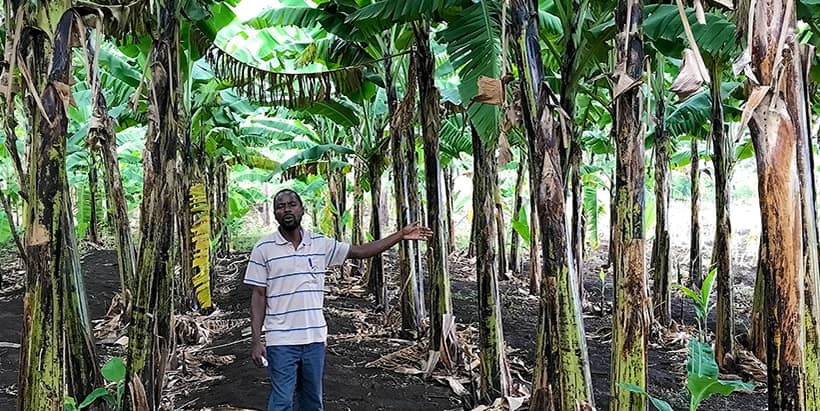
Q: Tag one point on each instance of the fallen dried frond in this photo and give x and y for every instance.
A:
(13, 281)
(190, 330)
(195, 329)
(750, 367)
(673, 337)
(113, 325)
(508, 403)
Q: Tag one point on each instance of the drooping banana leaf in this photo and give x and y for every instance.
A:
(663, 27)
(314, 168)
(311, 155)
(454, 139)
(807, 9)
(381, 15)
(201, 237)
(330, 18)
(693, 115)
(336, 111)
(592, 182)
(83, 210)
(474, 44)
(276, 129)
(5, 228)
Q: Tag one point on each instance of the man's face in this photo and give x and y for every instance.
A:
(288, 211)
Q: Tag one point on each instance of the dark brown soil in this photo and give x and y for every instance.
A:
(349, 384)
(101, 282)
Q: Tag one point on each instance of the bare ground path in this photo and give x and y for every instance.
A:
(219, 374)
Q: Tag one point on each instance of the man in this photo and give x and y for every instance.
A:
(286, 270)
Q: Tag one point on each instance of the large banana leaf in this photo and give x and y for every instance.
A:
(474, 44)
(312, 154)
(663, 27)
(472, 36)
(597, 141)
(212, 17)
(338, 112)
(83, 210)
(331, 19)
(549, 24)
(336, 44)
(277, 129)
(117, 65)
(454, 139)
(292, 145)
(254, 159)
(315, 168)
(5, 228)
(383, 14)
(807, 9)
(693, 115)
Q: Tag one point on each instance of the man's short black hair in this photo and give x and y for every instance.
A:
(287, 191)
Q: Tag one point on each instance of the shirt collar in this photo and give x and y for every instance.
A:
(279, 239)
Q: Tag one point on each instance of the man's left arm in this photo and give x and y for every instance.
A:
(411, 232)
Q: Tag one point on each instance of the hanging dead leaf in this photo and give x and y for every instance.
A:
(65, 94)
(449, 346)
(625, 82)
(729, 4)
(700, 14)
(689, 80)
(505, 153)
(512, 117)
(490, 91)
(433, 358)
(755, 98)
(742, 61)
(690, 37)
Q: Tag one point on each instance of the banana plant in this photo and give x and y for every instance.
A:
(701, 369)
(715, 47)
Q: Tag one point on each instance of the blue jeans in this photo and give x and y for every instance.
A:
(296, 368)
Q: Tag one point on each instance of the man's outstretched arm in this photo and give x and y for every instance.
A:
(411, 232)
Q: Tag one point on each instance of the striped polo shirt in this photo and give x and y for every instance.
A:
(294, 280)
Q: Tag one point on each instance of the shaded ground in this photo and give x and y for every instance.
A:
(667, 364)
(101, 281)
(220, 374)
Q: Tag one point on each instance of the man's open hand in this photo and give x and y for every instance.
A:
(416, 232)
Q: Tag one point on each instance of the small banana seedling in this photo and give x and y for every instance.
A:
(114, 372)
(701, 300)
(701, 369)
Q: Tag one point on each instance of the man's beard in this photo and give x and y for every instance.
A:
(290, 222)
